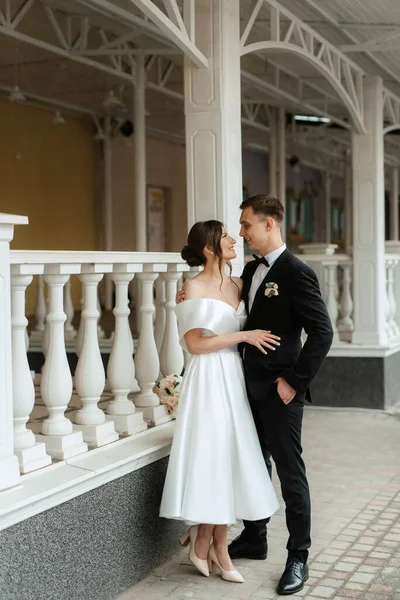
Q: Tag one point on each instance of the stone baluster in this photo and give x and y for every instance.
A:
(100, 331)
(331, 296)
(171, 356)
(89, 375)
(40, 312)
(146, 359)
(387, 306)
(79, 337)
(31, 455)
(138, 302)
(56, 381)
(346, 324)
(69, 329)
(45, 338)
(160, 312)
(121, 367)
(393, 330)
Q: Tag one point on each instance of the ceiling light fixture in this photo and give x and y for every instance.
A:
(16, 95)
(58, 118)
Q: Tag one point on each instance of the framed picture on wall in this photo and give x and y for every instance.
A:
(156, 219)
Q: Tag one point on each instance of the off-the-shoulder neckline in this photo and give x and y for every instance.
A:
(214, 300)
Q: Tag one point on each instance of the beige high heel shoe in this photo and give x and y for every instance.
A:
(190, 537)
(233, 576)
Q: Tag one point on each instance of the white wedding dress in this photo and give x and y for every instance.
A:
(216, 472)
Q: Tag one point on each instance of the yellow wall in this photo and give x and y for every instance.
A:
(52, 181)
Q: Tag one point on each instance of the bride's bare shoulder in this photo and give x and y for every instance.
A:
(194, 288)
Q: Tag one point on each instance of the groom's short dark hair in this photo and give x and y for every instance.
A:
(265, 204)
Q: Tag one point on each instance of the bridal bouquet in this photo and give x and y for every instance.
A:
(168, 390)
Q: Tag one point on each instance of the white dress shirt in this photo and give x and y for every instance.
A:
(262, 271)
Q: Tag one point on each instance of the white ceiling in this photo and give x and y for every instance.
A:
(82, 81)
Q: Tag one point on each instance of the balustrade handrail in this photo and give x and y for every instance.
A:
(18, 257)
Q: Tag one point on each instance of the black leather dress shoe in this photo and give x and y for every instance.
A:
(240, 548)
(293, 578)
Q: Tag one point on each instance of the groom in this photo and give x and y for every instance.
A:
(282, 295)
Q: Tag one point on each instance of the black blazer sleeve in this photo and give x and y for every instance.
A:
(311, 313)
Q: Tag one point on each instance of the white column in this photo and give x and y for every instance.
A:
(348, 202)
(121, 368)
(108, 204)
(70, 332)
(89, 374)
(171, 355)
(282, 163)
(213, 126)
(140, 155)
(147, 362)
(56, 381)
(9, 467)
(40, 312)
(100, 331)
(394, 205)
(273, 150)
(31, 455)
(368, 221)
(328, 209)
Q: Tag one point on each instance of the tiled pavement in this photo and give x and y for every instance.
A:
(353, 461)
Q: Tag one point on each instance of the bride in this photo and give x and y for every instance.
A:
(216, 472)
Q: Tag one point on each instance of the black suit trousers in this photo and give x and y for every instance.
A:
(279, 430)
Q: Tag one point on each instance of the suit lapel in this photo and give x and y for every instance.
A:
(247, 284)
(260, 292)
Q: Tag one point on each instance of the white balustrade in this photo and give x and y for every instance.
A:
(69, 329)
(56, 381)
(345, 323)
(89, 373)
(31, 455)
(73, 424)
(171, 355)
(40, 312)
(146, 359)
(121, 368)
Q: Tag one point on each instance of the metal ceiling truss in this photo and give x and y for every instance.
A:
(391, 111)
(304, 95)
(288, 33)
(175, 27)
(256, 115)
(342, 27)
(71, 41)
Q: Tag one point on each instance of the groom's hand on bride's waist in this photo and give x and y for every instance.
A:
(285, 391)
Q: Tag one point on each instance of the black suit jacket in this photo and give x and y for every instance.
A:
(298, 306)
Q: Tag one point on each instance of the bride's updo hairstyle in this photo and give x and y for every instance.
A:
(202, 234)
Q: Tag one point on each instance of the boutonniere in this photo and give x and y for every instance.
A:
(271, 289)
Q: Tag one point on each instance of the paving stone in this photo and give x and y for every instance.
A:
(323, 591)
(355, 529)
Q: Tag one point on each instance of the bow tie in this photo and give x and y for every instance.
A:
(261, 260)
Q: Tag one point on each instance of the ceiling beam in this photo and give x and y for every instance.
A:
(338, 27)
